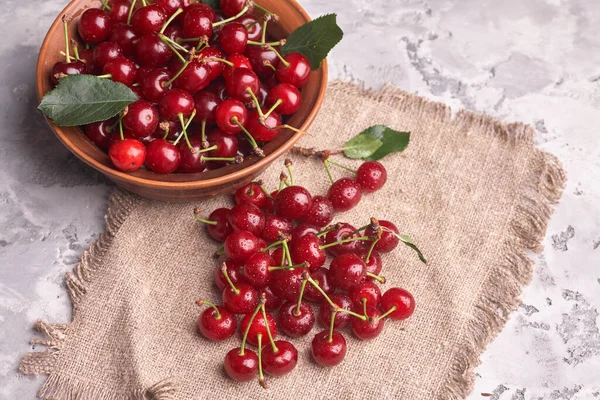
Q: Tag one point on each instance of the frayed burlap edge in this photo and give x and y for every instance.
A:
(54, 336)
(497, 297)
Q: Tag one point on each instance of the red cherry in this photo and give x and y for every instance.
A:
(253, 26)
(153, 84)
(286, 283)
(162, 156)
(368, 291)
(121, 70)
(293, 202)
(127, 155)
(328, 353)
(342, 233)
(347, 271)
(241, 367)
(233, 38)
(222, 228)
(148, 19)
(256, 269)
(116, 137)
(344, 194)
(105, 52)
(191, 159)
(231, 8)
(200, 7)
(320, 277)
(252, 194)
(371, 176)
(263, 132)
(280, 362)
(374, 265)
(217, 323)
(62, 68)
(175, 102)
(100, 132)
(227, 145)
(272, 302)
(303, 230)
(174, 32)
(294, 323)
(389, 241)
(369, 329)
(240, 245)
(215, 67)
(242, 300)
(290, 98)
(239, 81)
(274, 226)
(321, 212)
(401, 299)
(258, 327)
(94, 26)
(259, 57)
(141, 119)
(238, 61)
(119, 11)
(206, 106)
(197, 23)
(150, 51)
(307, 249)
(342, 319)
(297, 72)
(226, 114)
(233, 271)
(247, 217)
(125, 37)
(195, 77)
(170, 6)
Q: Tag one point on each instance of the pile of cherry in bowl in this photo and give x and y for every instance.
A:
(276, 246)
(212, 87)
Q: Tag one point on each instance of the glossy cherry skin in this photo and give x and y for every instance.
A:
(371, 176)
(100, 133)
(306, 249)
(191, 160)
(150, 51)
(253, 25)
(256, 269)
(296, 325)
(298, 71)
(258, 56)
(148, 19)
(63, 68)
(369, 329)
(162, 156)
(274, 226)
(227, 145)
(347, 271)
(281, 362)
(116, 137)
(206, 106)
(326, 353)
(215, 327)
(127, 155)
(233, 271)
(153, 84)
(272, 301)
(94, 26)
(366, 290)
(252, 194)
(239, 81)
(401, 299)
(340, 234)
(321, 212)
(320, 277)
(125, 37)
(293, 202)
(258, 327)
(241, 368)
(240, 245)
(238, 61)
(174, 32)
(303, 229)
(119, 11)
(231, 8)
(141, 118)
(122, 70)
(215, 67)
(242, 302)
(233, 38)
(342, 319)
(175, 102)
(222, 229)
(105, 52)
(263, 132)
(290, 97)
(286, 283)
(197, 23)
(389, 241)
(374, 265)
(170, 6)
(195, 77)
(210, 13)
(247, 217)
(225, 114)
(344, 194)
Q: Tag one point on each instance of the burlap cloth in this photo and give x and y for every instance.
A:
(473, 192)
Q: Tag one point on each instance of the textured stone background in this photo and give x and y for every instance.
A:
(536, 61)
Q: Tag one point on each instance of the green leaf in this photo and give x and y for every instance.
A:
(83, 99)
(214, 4)
(407, 240)
(314, 39)
(361, 146)
(392, 141)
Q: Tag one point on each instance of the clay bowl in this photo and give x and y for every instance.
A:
(184, 187)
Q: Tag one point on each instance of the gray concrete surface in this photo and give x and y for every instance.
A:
(536, 61)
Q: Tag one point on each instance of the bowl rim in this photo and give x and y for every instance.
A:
(255, 168)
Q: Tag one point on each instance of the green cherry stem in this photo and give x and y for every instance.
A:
(326, 246)
(283, 60)
(296, 312)
(255, 43)
(237, 160)
(288, 164)
(121, 128)
(243, 346)
(255, 101)
(364, 302)
(235, 290)
(203, 130)
(388, 312)
(204, 221)
(131, 12)
(171, 19)
(263, 38)
(340, 165)
(105, 6)
(261, 184)
(331, 326)
(264, 116)
(261, 377)
(273, 345)
(326, 165)
(257, 150)
(286, 250)
(368, 257)
(282, 267)
(228, 20)
(261, 8)
(174, 78)
(67, 43)
(208, 303)
(222, 60)
(328, 229)
(184, 127)
(378, 278)
(144, 3)
(219, 252)
(171, 46)
(269, 247)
